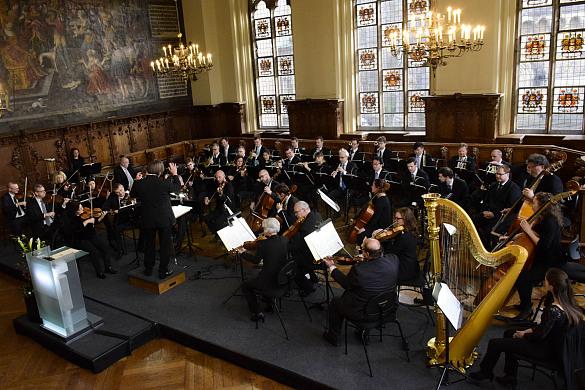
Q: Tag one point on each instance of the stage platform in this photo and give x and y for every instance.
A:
(194, 314)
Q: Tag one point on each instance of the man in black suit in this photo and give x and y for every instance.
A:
(113, 204)
(124, 174)
(453, 188)
(378, 171)
(285, 208)
(157, 213)
(40, 216)
(355, 154)
(462, 162)
(415, 182)
(290, 160)
(298, 150)
(216, 157)
(224, 195)
(344, 168)
(535, 164)
(366, 279)
(266, 185)
(320, 148)
(13, 210)
(272, 252)
(384, 153)
(228, 151)
(258, 150)
(301, 252)
(499, 196)
(423, 159)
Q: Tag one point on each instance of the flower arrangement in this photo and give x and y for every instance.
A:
(27, 245)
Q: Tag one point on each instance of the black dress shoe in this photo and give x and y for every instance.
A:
(507, 380)
(331, 339)
(165, 274)
(481, 375)
(421, 301)
(101, 275)
(110, 270)
(148, 272)
(257, 317)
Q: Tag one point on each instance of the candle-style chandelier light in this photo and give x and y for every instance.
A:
(429, 37)
(181, 61)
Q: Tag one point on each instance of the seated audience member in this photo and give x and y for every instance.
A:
(542, 342)
(272, 252)
(366, 279)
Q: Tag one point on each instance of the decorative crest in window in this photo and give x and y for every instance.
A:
(367, 59)
(418, 7)
(369, 102)
(392, 79)
(416, 102)
(568, 100)
(532, 100)
(572, 45)
(268, 105)
(534, 48)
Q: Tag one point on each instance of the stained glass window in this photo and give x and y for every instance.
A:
(274, 66)
(550, 72)
(389, 88)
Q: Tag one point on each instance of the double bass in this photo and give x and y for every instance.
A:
(363, 217)
(518, 237)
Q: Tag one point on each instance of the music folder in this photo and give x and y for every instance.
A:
(235, 234)
(324, 241)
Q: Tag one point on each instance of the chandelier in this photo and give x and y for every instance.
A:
(430, 37)
(180, 61)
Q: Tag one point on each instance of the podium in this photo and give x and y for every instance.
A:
(55, 280)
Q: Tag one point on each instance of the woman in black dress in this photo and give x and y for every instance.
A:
(76, 162)
(81, 234)
(404, 245)
(382, 211)
(240, 179)
(544, 341)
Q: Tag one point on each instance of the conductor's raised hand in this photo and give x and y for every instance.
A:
(173, 169)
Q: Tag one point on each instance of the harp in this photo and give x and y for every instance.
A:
(460, 260)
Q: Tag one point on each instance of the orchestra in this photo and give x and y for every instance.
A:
(223, 181)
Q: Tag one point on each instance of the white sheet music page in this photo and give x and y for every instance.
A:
(449, 304)
(324, 242)
(234, 236)
(179, 210)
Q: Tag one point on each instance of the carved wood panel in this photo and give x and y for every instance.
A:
(76, 137)
(120, 139)
(156, 130)
(139, 134)
(100, 142)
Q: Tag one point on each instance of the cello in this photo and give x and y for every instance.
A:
(262, 208)
(363, 217)
(519, 237)
(522, 205)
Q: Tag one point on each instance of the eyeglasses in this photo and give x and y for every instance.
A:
(398, 219)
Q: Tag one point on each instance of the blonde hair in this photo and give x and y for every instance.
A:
(58, 173)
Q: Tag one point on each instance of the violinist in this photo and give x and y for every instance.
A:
(300, 250)
(535, 164)
(65, 191)
(272, 251)
(76, 163)
(545, 233)
(13, 209)
(366, 279)
(81, 234)
(499, 197)
(157, 214)
(285, 208)
(382, 211)
(265, 185)
(404, 244)
(224, 196)
(113, 204)
(240, 179)
(124, 174)
(93, 192)
(40, 216)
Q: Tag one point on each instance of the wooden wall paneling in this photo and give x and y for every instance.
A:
(156, 130)
(11, 165)
(228, 120)
(101, 143)
(202, 116)
(120, 139)
(138, 134)
(312, 117)
(183, 124)
(39, 146)
(169, 130)
(76, 137)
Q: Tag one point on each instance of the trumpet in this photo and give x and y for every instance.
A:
(251, 155)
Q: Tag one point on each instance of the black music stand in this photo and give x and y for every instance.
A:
(127, 216)
(238, 259)
(90, 169)
(190, 244)
(395, 189)
(354, 184)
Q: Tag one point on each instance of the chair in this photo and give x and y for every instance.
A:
(380, 310)
(284, 279)
(419, 283)
(574, 269)
(572, 360)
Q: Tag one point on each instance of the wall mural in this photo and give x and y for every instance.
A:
(64, 62)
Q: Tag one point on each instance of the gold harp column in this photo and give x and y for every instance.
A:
(436, 345)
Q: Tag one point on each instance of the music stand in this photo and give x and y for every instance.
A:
(190, 244)
(395, 189)
(90, 169)
(126, 216)
(178, 212)
(354, 184)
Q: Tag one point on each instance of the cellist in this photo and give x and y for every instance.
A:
(264, 185)
(545, 233)
(382, 211)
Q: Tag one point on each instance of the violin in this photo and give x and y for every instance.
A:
(291, 231)
(252, 245)
(342, 260)
(388, 234)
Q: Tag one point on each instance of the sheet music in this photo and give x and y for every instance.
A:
(328, 200)
(324, 241)
(449, 304)
(235, 235)
(179, 210)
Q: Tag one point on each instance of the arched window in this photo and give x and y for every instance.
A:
(389, 88)
(274, 62)
(550, 67)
